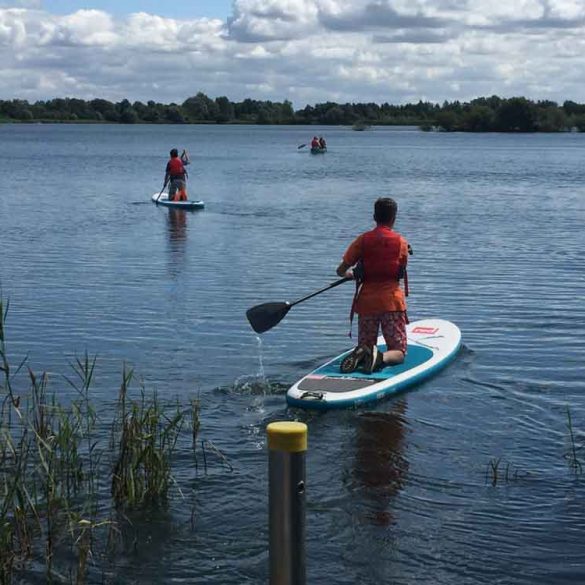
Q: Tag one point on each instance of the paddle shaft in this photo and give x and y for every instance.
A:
(161, 191)
(332, 285)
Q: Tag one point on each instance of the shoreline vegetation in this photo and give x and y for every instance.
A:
(484, 114)
(76, 482)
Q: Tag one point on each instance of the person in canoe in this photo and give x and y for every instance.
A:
(322, 143)
(379, 259)
(315, 144)
(176, 175)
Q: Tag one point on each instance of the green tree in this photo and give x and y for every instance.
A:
(305, 116)
(578, 122)
(81, 109)
(571, 108)
(334, 115)
(174, 115)
(225, 110)
(200, 108)
(153, 113)
(287, 112)
(140, 109)
(264, 116)
(516, 114)
(17, 110)
(478, 119)
(553, 120)
(247, 110)
(106, 109)
(25, 115)
(126, 113)
(446, 120)
(128, 116)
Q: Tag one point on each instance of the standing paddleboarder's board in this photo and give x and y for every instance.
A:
(164, 200)
(432, 344)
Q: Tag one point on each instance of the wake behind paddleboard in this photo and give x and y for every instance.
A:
(189, 205)
(432, 344)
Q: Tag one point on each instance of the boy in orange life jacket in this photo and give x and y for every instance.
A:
(177, 175)
(379, 301)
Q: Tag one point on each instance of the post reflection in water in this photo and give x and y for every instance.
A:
(380, 467)
(177, 224)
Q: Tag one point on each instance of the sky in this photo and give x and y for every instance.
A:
(186, 9)
(306, 51)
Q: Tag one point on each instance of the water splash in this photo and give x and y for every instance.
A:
(261, 373)
(257, 383)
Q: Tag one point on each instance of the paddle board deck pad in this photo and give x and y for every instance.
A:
(189, 204)
(432, 344)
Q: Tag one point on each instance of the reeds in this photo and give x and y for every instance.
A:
(498, 471)
(66, 474)
(572, 454)
(144, 439)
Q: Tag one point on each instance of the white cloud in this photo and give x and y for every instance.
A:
(12, 29)
(84, 27)
(305, 50)
(267, 20)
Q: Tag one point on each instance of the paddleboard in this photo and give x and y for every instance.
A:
(189, 204)
(432, 344)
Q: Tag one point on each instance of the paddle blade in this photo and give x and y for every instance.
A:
(301, 146)
(266, 316)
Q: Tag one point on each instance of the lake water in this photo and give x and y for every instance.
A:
(398, 492)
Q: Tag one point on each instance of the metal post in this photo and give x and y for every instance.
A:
(287, 444)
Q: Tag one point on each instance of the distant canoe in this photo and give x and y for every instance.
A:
(359, 126)
(318, 150)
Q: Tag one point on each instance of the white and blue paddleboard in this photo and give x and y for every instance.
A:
(432, 344)
(189, 204)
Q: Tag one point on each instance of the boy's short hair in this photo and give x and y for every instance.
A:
(174, 153)
(385, 210)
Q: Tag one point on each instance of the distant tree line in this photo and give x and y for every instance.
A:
(516, 114)
(492, 114)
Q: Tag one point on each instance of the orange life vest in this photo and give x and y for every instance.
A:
(381, 255)
(175, 168)
(379, 262)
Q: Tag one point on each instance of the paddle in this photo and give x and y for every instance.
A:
(161, 191)
(301, 146)
(265, 316)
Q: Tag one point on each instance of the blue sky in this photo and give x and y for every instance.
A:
(183, 9)
(306, 51)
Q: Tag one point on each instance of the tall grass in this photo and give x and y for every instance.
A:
(497, 472)
(573, 453)
(65, 473)
(145, 437)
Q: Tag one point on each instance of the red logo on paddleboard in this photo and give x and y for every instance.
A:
(425, 330)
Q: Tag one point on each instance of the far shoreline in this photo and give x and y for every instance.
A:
(423, 127)
(479, 115)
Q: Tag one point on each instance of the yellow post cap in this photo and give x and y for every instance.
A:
(287, 436)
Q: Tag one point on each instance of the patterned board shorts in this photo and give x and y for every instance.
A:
(176, 185)
(393, 326)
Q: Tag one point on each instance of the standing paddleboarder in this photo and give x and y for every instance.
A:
(379, 258)
(177, 175)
